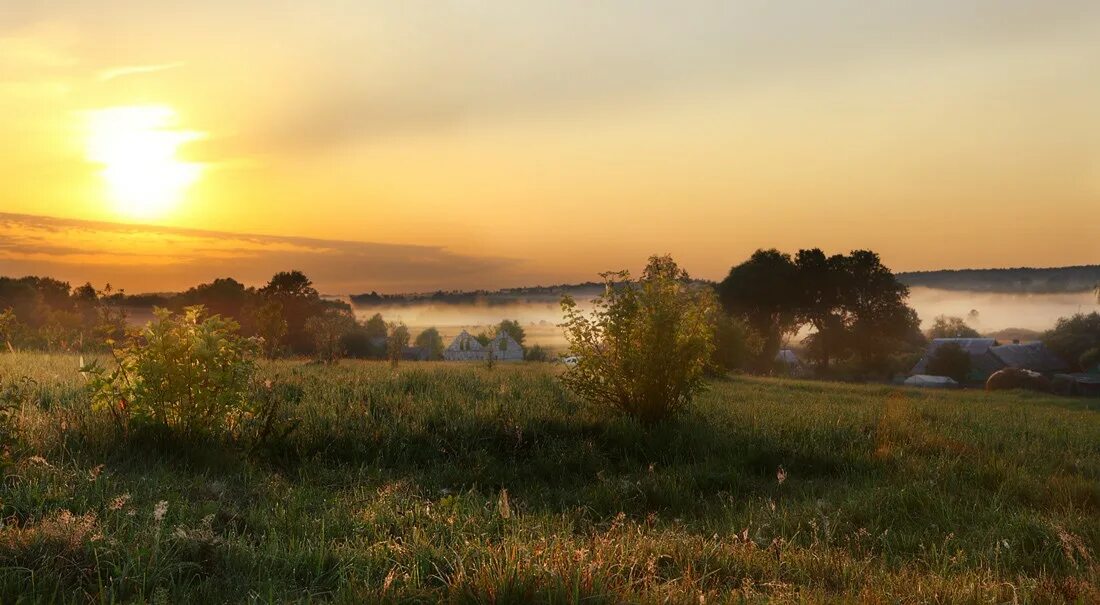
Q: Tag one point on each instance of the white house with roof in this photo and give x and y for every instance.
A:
(466, 347)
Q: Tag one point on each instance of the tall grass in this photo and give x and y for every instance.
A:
(454, 482)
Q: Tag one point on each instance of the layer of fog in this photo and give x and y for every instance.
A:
(986, 312)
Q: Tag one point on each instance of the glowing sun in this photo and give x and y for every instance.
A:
(137, 147)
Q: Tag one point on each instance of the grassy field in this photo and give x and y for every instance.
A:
(456, 483)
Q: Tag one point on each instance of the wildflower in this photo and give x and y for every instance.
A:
(119, 502)
(160, 510)
(94, 473)
(781, 475)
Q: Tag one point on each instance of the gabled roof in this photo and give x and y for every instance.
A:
(983, 362)
(506, 337)
(788, 357)
(1031, 356)
(464, 337)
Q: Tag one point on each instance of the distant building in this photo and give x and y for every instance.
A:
(505, 348)
(930, 382)
(464, 348)
(1034, 356)
(987, 356)
(467, 348)
(791, 362)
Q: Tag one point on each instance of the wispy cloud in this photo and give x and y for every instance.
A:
(143, 258)
(123, 71)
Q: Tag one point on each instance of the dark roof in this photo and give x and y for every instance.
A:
(978, 348)
(1031, 356)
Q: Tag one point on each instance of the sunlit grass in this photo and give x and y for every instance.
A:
(453, 482)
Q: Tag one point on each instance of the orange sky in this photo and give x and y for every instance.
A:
(491, 144)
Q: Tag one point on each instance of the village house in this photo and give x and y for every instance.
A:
(466, 347)
(988, 356)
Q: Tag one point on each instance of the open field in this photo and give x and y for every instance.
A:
(457, 483)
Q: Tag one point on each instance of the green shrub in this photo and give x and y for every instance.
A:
(950, 360)
(183, 371)
(645, 346)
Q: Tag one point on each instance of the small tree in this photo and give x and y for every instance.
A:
(432, 342)
(949, 360)
(513, 329)
(8, 327)
(328, 331)
(736, 345)
(644, 348)
(396, 343)
(270, 325)
(951, 327)
(1074, 336)
(185, 371)
(536, 353)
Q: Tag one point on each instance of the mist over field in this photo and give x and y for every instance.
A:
(539, 316)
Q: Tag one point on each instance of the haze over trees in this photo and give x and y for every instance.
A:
(855, 306)
(951, 327)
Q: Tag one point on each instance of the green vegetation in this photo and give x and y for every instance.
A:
(645, 346)
(951, 327)
(444, 482)
(854, 305)
(950, 360)
(1077, 340)
(185, 372)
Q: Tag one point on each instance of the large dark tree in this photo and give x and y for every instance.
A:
(300, 301)
(764, 290)
(855, 305)
(224, 296)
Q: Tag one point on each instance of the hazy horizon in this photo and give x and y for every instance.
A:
(495, 143)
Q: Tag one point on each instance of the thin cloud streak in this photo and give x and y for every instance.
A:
(143, 258)
(136, 70)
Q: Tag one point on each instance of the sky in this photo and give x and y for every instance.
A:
(422, 145)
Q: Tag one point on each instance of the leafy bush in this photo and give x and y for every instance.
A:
(431, 341)
(184, 371)
(537, 353)
(951, 327)
(1074, 336)
(396, 342)
(949, 360)
(736, 345)
(327, 330)
(645, 346)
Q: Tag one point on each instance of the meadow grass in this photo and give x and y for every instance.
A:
(452, 482)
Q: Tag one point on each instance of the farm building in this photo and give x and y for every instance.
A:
(464, 348)
(982, 360)
(1034, 356)
(987, 356)
(467, 348)
(790, 361)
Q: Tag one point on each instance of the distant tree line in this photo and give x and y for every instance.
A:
(1082, 278)
(287, 317)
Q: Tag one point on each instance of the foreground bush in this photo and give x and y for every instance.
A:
(184, 371)
(647, 343)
